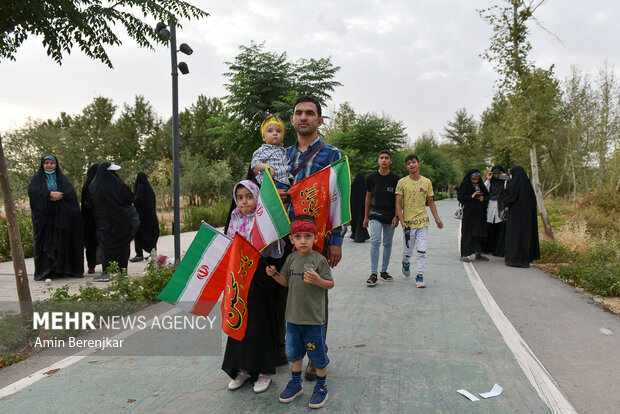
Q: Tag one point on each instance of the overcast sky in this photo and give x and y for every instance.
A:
(414, 60)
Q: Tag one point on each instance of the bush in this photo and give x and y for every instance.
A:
(601, 279)
(552, 252)
(25, 230)
(215, 215)
(123, 296)
(440, 196)
(607, 202)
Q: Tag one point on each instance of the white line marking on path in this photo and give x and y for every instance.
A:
(534, 370)
(64, 363)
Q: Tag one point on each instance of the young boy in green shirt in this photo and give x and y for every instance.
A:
(307, 275)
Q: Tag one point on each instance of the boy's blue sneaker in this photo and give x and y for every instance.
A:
(406, 271)
(292, 391)
(319, 397)
(419, 281)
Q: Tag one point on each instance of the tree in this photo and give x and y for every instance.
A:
(87, 24)
(467, 146)
(64, 24)
(435, 165)
(261, 83)
(343, 118)
(509, 50)
(195, 132)
(368, 135)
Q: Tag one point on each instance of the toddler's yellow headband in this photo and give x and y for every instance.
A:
(271, 121)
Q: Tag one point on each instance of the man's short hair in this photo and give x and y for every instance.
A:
(387, 152)
(412, 157)
(308, 99)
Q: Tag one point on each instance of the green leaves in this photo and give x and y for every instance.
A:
(262, 83)
(88, 24)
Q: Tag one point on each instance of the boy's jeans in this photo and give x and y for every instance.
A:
(376, 229)
(417, 240)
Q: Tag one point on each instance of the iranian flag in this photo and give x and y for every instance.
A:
(271, 222)
(242, 263)
(326, 196)
(199, 280)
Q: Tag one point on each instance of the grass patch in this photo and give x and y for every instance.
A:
(585, 250)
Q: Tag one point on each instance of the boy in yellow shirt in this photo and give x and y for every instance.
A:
(412, 194)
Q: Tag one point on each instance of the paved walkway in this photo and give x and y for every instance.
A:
(393, 349)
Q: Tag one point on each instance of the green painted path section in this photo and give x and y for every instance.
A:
(393, 349)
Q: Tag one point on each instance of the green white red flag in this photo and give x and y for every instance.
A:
(271, 220)
(326, 196)
(242, 263)
(200, 278)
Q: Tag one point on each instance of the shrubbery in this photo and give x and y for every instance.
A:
(552, 252)
(215, 215)
(123, 296)
(25, 230)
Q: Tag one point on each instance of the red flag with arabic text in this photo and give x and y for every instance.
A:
(242, 263)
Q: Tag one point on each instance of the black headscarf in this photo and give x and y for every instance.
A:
(522, 244)
(115, 215)
(57, 227)
(473, 226)
(88, 217)
(358, 209)
(144, 200)
(497, 186)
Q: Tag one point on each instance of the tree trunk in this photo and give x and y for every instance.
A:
(539, 197)
(15, 240)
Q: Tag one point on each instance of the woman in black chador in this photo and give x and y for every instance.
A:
(473, 195)
(148, 231)
(56, 222)
(88, 217)
(358, 209)
(116, 217)
(522, 246)
(496, 225)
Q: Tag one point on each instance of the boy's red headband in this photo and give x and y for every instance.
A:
(303, 226)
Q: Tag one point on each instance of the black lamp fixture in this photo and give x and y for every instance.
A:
(166, 34)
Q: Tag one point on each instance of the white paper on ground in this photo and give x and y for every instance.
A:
(468, 395)
(497, 390)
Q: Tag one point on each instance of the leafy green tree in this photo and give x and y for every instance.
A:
(195, 132)
(465, 144)
(435, 165)
(205, 181)
(509, 50)
(135, 125)
(63, 24)
(87, 24)
(342, 119)
(262, 83)
(368, 135)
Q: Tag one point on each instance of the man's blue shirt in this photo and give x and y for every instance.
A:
(324, 157)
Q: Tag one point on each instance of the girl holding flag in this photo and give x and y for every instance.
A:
(254, 357)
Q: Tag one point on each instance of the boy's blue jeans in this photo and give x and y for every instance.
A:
(378, 228)
(306, 339)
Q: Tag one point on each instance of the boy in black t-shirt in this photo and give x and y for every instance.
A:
(380, 215)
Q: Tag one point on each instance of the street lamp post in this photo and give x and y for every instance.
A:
(184, 48)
